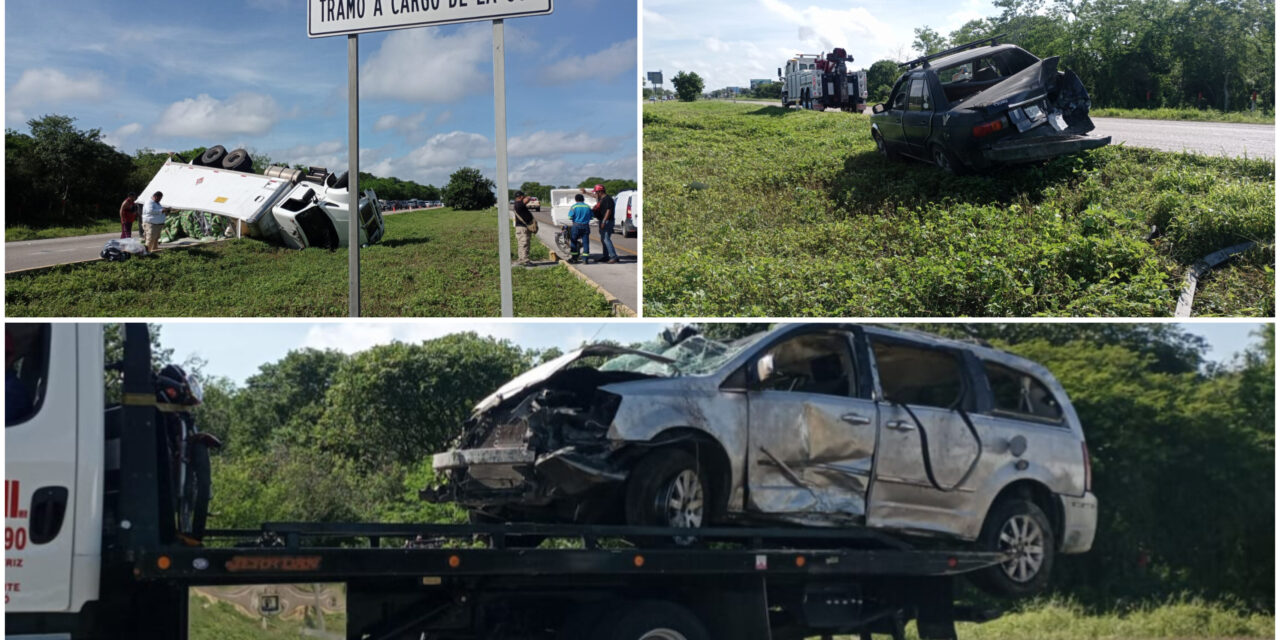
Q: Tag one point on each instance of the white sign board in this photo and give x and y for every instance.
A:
(346, 17)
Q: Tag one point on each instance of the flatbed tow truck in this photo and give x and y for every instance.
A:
(110, 563)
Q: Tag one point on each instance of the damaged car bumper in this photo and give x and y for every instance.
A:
(1020, 150)
(1079, 522)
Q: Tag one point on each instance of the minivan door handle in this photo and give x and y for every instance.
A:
(48, 510)
(900, 425)
(853, 418)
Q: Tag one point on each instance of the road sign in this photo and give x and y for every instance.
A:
(655, 77)
(347, 17)
(353, 17)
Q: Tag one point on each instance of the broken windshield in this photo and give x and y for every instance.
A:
(694, 356)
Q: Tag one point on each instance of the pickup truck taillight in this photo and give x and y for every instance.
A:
(988, 128)
(1088, 468)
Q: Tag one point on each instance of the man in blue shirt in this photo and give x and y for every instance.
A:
(580, 235)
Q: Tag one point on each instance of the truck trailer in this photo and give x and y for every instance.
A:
(297, 208)
(92, 549)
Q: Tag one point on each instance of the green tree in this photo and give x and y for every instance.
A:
(283, 401)
(69, 173)
(688, 85)
(469, 190)
(400, 403)
(880, 79)
(928, 41)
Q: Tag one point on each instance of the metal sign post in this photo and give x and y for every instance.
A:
(353, 175)
(500, 138)
(351, 17)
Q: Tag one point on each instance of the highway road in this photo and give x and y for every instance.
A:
(620, 280)
(34, 254)
(1208, 138)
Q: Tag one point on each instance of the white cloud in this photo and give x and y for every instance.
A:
(351, 338)
(829, 28)
(329, 153)
(51, 86)
(117, 138)
(404, 125)
(601, 65)
(421, 65)
(653, 18)
(206, 117)
(551, 143)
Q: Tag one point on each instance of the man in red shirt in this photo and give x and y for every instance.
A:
(127, 214)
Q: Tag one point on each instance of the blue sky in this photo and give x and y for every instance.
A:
(247, 346)
(242, 73)
(729, 42)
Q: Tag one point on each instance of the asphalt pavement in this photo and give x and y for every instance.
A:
(34, 254)
(1209, 138)
(620, 280)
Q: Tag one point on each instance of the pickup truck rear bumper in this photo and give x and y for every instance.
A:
(1033, 149)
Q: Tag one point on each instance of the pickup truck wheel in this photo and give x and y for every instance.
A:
(883, 148)
(946, 161)
(668, 488)
(212, 156)
(1017, 527)
(652, 620)
(238, 160)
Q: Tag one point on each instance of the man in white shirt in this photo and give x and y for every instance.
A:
(153, 221)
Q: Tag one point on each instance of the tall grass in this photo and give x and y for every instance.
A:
(1063, 619)
(763, 211)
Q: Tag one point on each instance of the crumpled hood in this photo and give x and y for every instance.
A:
(1028, 83)
(540, 373)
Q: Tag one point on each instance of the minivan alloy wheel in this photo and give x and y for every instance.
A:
(1022, 537)
(683, 502)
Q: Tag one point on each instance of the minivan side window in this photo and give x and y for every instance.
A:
(26, 370)
(1021, 395)
(813, 363)
(918, 375)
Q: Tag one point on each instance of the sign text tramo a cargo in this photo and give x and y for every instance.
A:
(345, 17)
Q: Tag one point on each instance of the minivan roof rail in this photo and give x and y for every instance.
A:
(923, 62)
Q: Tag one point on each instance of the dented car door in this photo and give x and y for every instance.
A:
(812, 429)
(929, 446)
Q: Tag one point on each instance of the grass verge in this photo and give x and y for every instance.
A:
(764, 211)
(431, 263)
(88, 227)
(1197, 115)
(1057, 619)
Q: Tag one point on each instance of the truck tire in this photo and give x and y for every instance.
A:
(785, 104)
(668, 488)
(651, 620)
(238, 160)
(1017, 525)
(212, 156)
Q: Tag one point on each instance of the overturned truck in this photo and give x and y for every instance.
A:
(296, 208)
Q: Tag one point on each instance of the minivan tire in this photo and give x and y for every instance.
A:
(1017, 524)
(663, 476)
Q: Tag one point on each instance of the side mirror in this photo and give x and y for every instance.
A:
(779, 72)
(878, 108)
(764, 367)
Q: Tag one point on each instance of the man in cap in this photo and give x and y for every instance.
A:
(604, 217)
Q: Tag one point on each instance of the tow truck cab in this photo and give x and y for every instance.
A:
(55, 467)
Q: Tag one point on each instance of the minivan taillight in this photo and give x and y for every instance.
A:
(1088, 468)
(628, 210)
